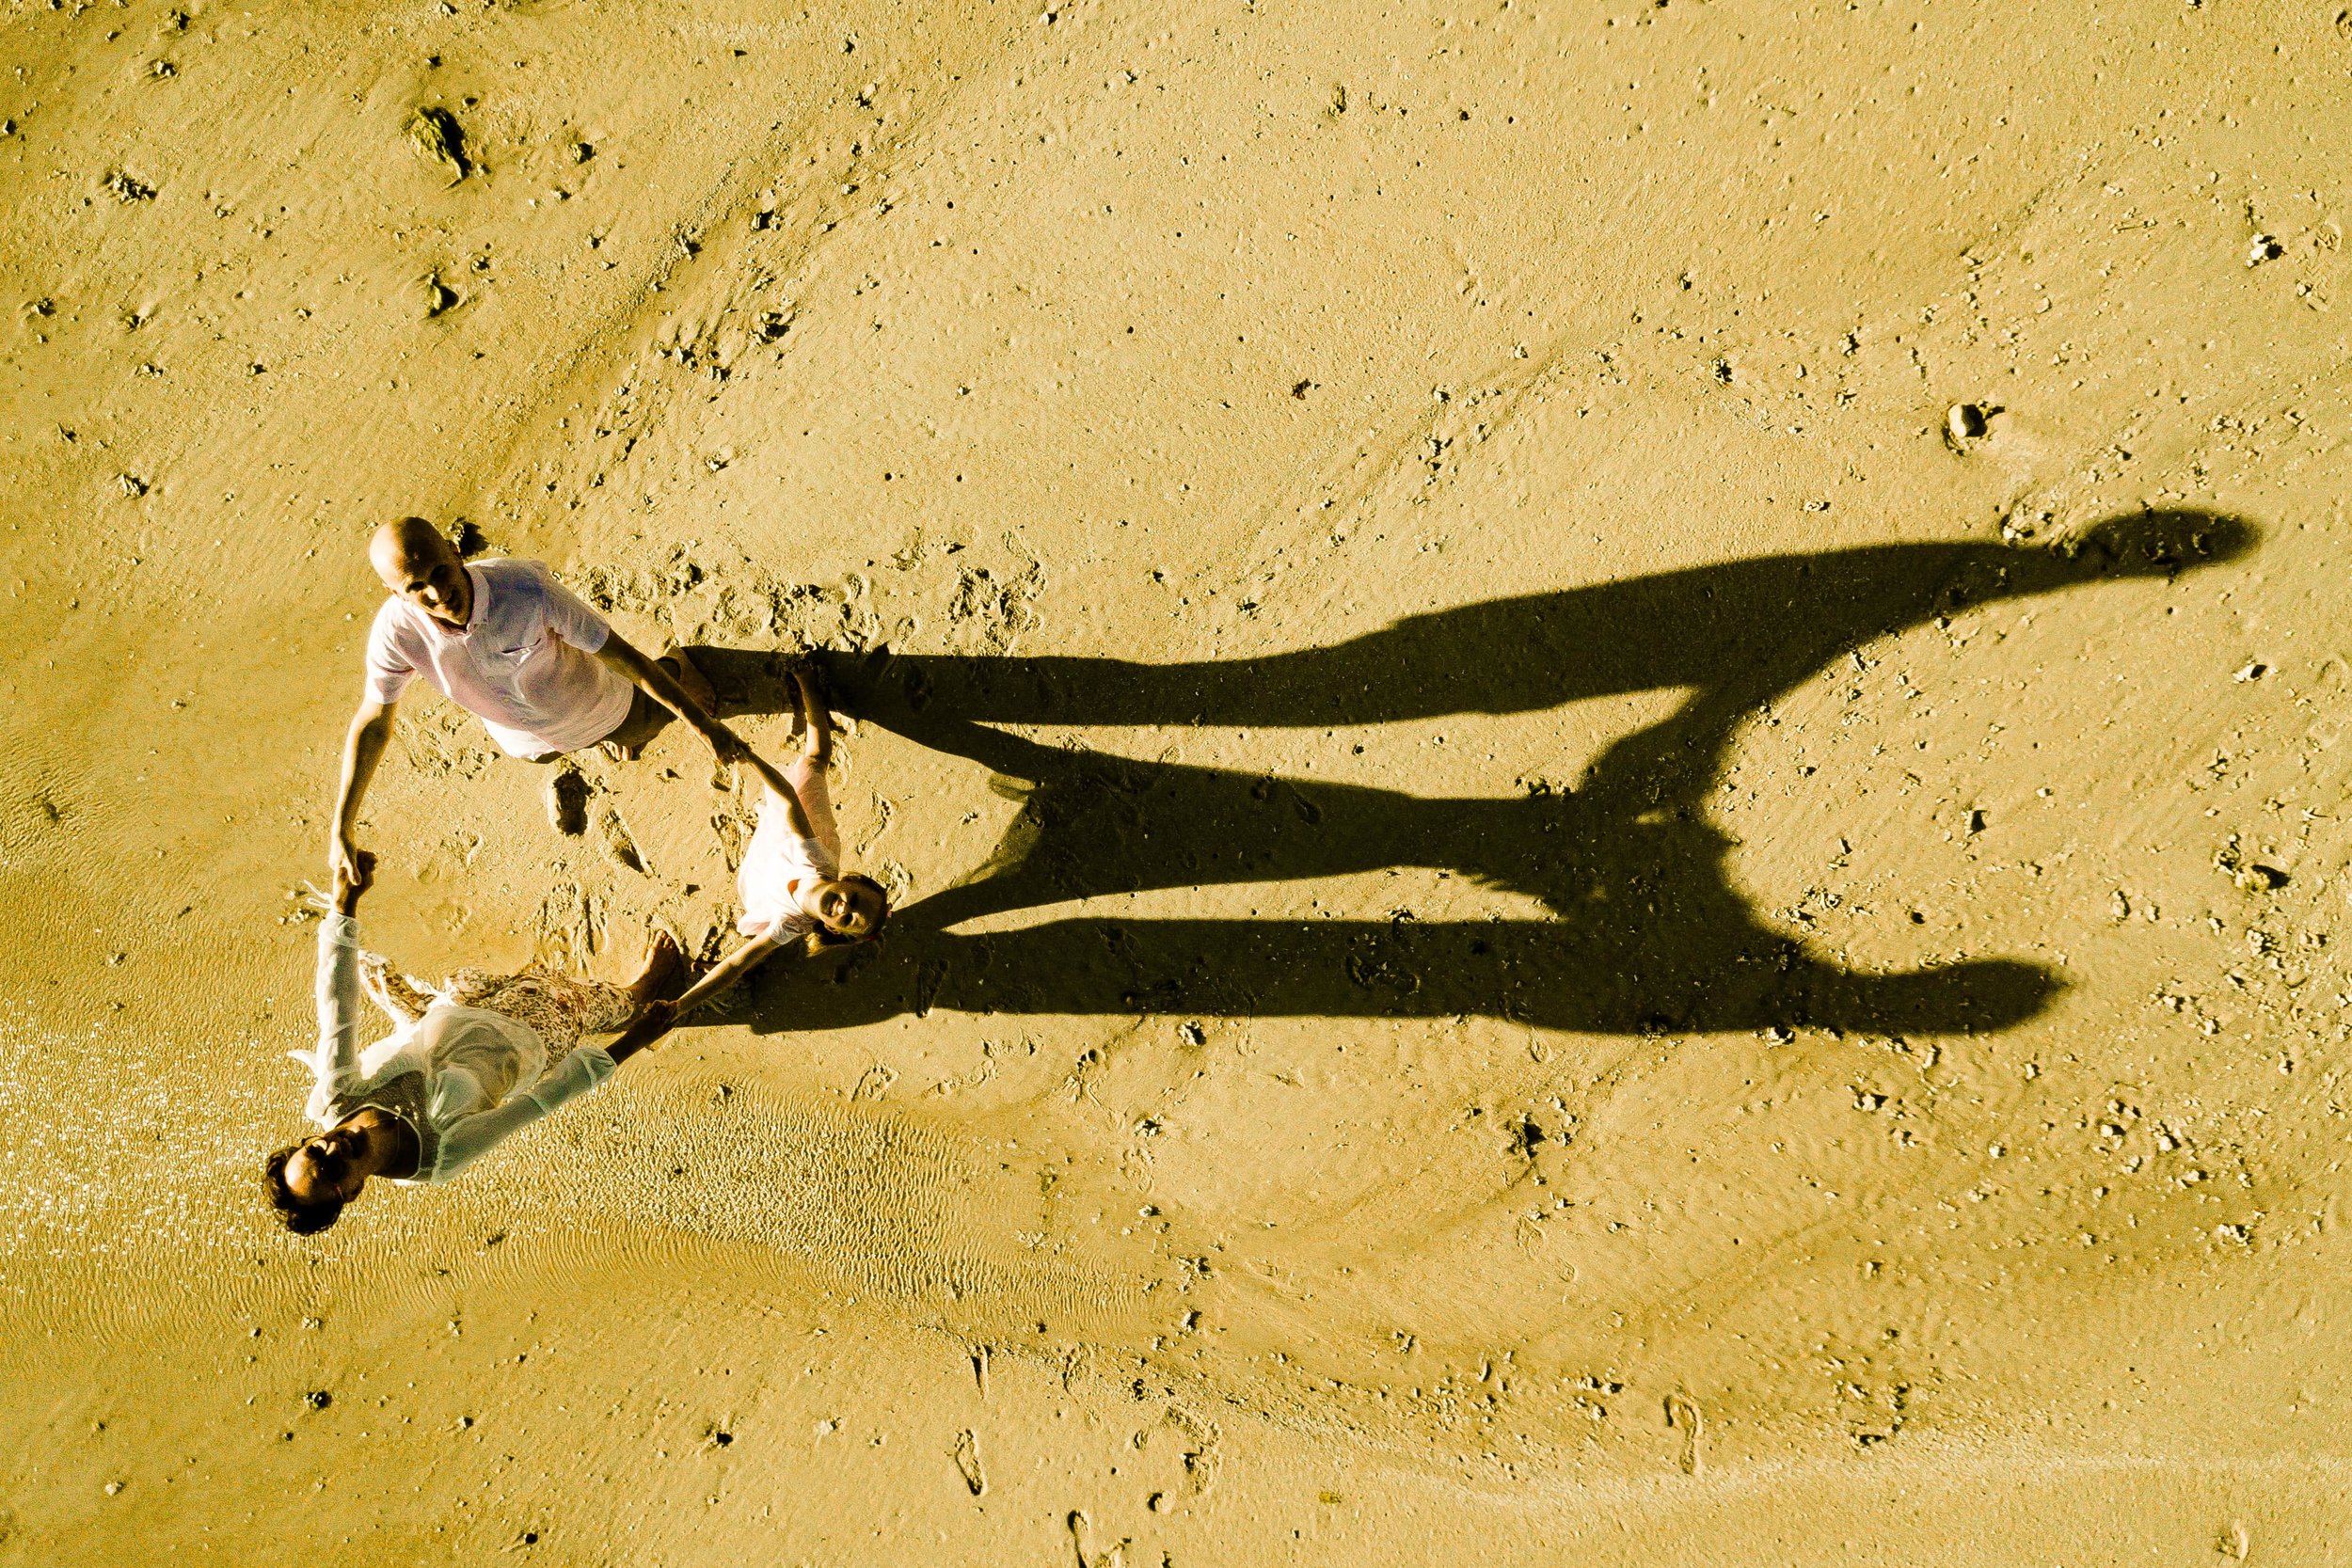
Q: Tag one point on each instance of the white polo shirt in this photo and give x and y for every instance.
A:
(525, 663)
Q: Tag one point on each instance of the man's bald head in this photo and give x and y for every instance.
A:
(406, 543)
(417, 563)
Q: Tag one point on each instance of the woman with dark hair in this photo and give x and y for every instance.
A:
(464, 1067)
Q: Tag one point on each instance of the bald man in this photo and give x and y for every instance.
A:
(503, 639)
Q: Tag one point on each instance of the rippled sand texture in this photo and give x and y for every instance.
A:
(1572, 922)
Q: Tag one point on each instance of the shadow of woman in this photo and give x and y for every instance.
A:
(1644, 930)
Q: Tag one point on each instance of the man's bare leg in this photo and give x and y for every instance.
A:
(692, 680)
(646, 715)
(636, 727)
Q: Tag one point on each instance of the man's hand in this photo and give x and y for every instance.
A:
(725, 745)
(363, 748)
(354, 881)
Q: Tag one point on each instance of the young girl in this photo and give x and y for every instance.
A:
(790, 881)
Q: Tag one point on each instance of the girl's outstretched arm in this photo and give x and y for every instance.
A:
(796, 817)
(818, 748)
(660, 1018)
(726, 972)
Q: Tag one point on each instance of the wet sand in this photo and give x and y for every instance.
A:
(1571, 917)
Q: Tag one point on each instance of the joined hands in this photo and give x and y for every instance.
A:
(353, 879)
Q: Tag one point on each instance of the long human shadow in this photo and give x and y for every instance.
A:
(1644, 931)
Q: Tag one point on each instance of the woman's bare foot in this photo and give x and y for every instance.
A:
(664, 963)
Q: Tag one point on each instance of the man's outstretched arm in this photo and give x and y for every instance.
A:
(620, 656)
(363, 748)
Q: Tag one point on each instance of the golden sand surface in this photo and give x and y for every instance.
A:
(1576, 926)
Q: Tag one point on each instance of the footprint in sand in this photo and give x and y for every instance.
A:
(1684, 1417)
(1115, 1557)
(613, 838)
(567, 803)
(967, 1456)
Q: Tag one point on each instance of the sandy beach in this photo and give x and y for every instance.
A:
(1626, 719)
